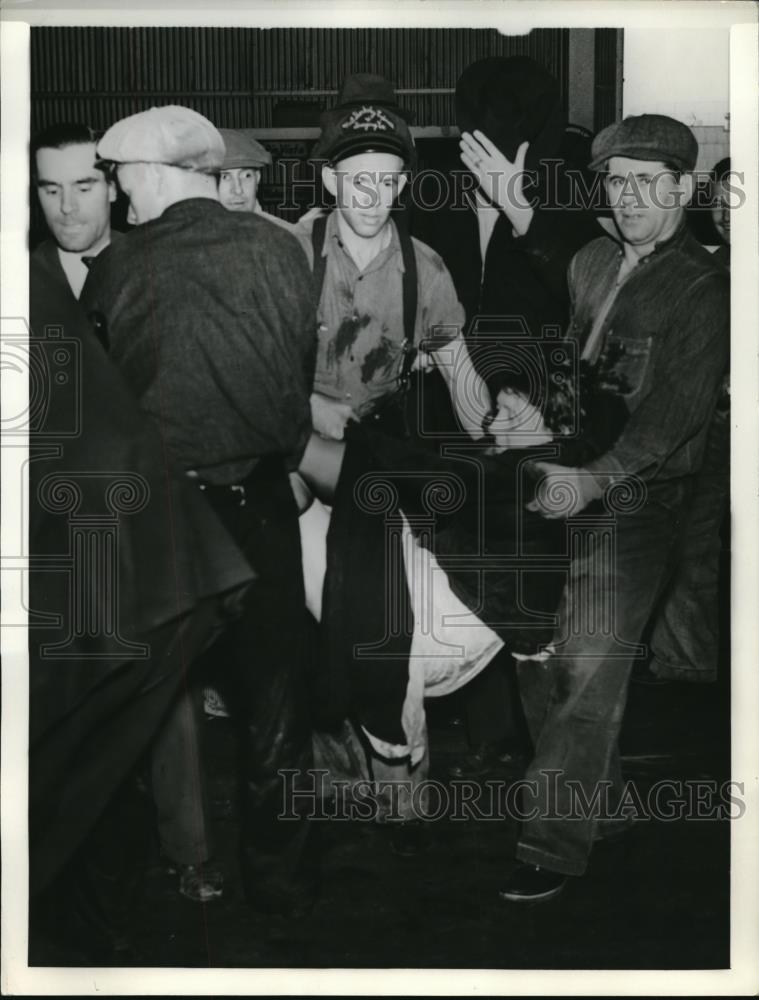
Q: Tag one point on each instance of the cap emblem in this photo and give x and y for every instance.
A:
(369, 119)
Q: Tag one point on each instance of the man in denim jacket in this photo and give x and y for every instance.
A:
(650, 308)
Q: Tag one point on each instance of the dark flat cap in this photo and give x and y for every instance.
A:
(646, 137)
(243, 150)
(512, 99)
(366, 118)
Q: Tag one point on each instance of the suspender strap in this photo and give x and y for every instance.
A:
(410, 284)
(320, 262)
(410, 292)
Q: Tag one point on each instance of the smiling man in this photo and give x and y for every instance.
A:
(385, 299)
(650, 311)
(75, 197)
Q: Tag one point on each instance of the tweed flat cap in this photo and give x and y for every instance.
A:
(243, 150)
(646, 137)
(174, 135)
(367, 118)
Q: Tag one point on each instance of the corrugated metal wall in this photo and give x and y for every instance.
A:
(608, 87)
(254, 77)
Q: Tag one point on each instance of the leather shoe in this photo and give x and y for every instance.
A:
(530, 884)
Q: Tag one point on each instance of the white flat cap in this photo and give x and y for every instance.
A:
(176, 136)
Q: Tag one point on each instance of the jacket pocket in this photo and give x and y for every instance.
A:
(624, 363)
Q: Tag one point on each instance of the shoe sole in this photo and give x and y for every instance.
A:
(513, 897)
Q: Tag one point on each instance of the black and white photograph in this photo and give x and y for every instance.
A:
(380, 468)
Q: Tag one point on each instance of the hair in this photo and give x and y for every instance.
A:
(720, 170)
(554, 392)
(65, 134)
(62, 136)
(675, 169)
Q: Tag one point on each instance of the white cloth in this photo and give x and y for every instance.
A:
(450, 645)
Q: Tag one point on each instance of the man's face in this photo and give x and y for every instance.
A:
(75, 196)
(646, 199)
(238, 187)
(721, 211)
(140, 182)
(365, 187)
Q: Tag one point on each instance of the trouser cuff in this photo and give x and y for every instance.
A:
(544, 859)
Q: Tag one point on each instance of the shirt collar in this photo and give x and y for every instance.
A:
(674, 240)
(392, 249)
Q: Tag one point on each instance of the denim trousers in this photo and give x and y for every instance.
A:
(685, 636)
(575, 702)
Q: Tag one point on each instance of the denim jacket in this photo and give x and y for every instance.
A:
(664, 348)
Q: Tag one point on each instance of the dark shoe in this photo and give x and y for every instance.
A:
(410, 838)
(484, 760)
(530, 884)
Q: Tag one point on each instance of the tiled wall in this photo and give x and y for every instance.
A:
(713, 145)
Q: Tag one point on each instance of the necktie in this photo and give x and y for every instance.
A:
(87, 261)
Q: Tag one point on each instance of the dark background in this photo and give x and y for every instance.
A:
(279, 80)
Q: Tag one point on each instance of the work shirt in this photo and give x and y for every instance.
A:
(209, 315)
(661, 343)
(360, 316)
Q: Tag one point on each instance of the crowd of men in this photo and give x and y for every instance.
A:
(245, 367)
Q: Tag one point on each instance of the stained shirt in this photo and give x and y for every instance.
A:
(210, 318)
(360, 316)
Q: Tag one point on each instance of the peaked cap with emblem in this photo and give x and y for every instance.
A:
(366, 118)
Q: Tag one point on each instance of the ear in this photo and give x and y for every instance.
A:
(329, 179)
(111, 191)
(687, 187)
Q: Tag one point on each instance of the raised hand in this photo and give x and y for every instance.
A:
(500, 179)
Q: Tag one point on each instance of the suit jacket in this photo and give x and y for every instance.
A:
(48, 269)
(125, 556)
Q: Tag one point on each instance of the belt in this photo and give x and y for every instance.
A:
(238, 492)
(233, 492)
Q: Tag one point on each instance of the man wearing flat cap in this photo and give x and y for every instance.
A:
(208, 314)
(240, 174)
(650, 309)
